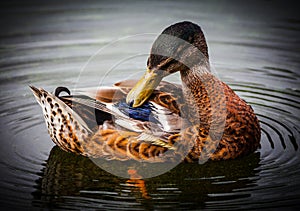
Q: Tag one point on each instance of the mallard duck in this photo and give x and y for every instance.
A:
(152, 120)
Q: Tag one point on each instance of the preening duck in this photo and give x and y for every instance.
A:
(151, 120)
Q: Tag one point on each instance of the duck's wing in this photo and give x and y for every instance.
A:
(70, 120)
(168, 95)
(145, 135)
(161, 112)
(97, 113)
(146, 131)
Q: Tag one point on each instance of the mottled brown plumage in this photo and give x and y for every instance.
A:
(73, 126)
(199, 120)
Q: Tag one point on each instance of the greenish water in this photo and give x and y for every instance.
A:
(253, 47)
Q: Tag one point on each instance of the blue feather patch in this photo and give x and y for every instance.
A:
(141, 113)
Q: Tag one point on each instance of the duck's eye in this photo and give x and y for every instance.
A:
(167, 64)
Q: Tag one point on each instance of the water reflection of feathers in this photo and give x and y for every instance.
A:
(69, 178)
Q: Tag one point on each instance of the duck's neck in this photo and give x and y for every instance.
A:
(198, 84)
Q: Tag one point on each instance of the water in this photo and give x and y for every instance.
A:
(253, 47)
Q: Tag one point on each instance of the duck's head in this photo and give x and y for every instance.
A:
(178, 48)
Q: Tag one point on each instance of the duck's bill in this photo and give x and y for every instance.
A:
(143, 88)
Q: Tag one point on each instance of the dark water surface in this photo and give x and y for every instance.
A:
(254, 47)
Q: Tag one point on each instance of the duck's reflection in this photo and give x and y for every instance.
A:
(69, 180)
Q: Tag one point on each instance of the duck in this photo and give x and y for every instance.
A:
(153, 120)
